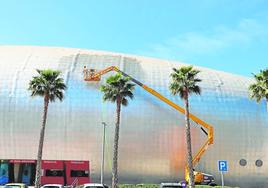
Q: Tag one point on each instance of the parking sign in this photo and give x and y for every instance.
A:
(223, 167)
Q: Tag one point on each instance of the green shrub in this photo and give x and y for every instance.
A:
(147, 186)
(127, 186)
(203, 186)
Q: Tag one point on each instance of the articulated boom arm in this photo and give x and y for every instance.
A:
(92, 75)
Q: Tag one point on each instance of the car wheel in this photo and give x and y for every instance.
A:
(212, 184)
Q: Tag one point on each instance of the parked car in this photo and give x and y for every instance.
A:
(52, 186)
(93, 185)
(15, 185)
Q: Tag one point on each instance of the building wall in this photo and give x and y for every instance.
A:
(152, 141)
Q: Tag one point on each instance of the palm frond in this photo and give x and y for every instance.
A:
(116, 87)
(184, 80)
(259, 89)
(48, 82)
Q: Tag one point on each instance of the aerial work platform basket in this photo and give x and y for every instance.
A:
(90, 74)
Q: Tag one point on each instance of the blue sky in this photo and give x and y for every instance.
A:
(226, 35)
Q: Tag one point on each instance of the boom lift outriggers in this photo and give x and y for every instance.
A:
(200, 178)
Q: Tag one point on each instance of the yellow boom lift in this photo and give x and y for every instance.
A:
(200, 178)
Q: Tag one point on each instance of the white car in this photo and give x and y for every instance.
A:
(93, 185)
(15, 185)
(52, 186)
(172, 185)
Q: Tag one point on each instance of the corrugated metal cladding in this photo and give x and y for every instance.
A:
(152, 144)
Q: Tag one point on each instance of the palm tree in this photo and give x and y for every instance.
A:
(49, 86)
(117, 90)
(184, 83)
(259, 89)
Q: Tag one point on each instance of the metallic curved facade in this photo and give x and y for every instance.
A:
(152, 141)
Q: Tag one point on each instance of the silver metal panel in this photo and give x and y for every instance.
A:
(152, 141)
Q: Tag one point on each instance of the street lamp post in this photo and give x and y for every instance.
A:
(103, 151)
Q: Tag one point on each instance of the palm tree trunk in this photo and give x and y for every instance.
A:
(267, 103)
(41, 142)
(188, 142)
(116, 143)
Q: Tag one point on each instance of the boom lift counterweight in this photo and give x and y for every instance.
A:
(200, 178)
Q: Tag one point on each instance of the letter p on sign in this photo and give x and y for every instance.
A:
(223, 167)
